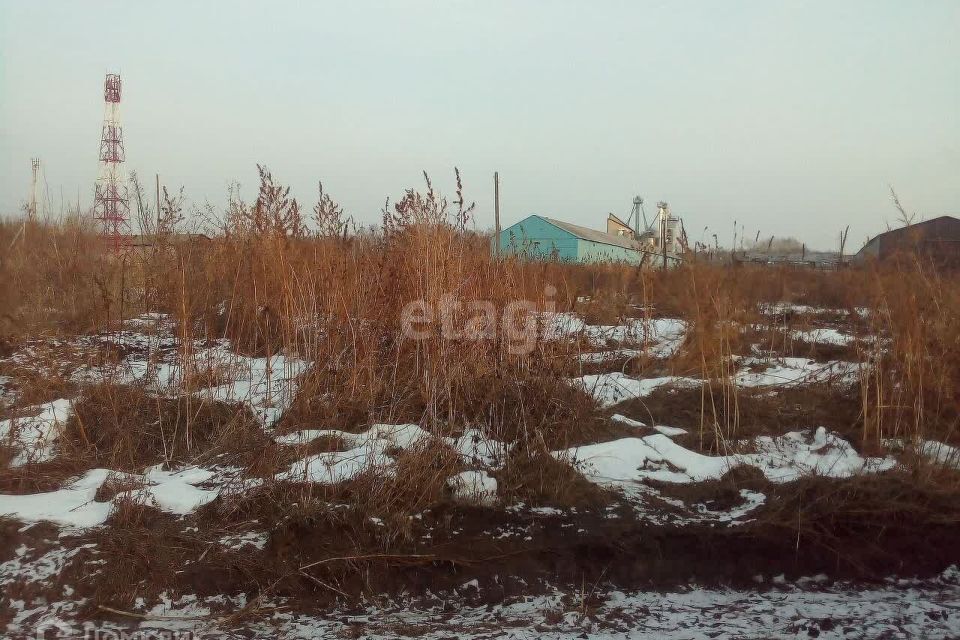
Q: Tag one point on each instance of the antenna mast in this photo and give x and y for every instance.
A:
(111, 204)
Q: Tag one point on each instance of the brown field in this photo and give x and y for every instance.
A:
(269, 286)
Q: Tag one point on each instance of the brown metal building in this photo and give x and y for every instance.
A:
(937, 240)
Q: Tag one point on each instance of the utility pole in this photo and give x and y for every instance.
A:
(843, 244)
(32, 208)
(663, 241)
(157, 230)
(496, 210)
(663, 213)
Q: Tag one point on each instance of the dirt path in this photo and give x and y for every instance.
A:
(810, 608)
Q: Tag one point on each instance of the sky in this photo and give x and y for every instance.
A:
(792, 118)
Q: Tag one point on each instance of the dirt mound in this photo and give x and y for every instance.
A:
(869, 526)
(324, 545)
(750, 413)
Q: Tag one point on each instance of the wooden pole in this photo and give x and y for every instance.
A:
(496, 209)
(157, 230)
(663, 235)
(843, 244)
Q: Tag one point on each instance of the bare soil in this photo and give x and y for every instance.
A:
(322, 553)
(754, 412)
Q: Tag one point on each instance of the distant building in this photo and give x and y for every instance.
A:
(937, 239)
(541, 238)
(174, 239)
(617, 227)
(809, 259)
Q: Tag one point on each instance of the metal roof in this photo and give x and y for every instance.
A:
(914, 226)
(910, 228)
(593, 235)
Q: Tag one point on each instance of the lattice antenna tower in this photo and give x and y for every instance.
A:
(111, 202)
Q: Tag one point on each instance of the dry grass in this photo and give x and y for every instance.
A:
(335, 299)
(757, 413)
(125, 428)
(56, 278)
(541, 480)
(913, 389)
(37, 477)
(891, 520)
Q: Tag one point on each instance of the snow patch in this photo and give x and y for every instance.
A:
(33, 437)
(660, 337)
(665, 430)
(609, 389)
(75, 505)
(793, 371)
(600, 357)
(266, 385)
(934, 452)
(475, 448)
(940, 453)
(781, 459)
(824, 336)
(369, 451)
(474, 486)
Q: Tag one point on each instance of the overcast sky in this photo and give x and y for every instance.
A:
(790, 117)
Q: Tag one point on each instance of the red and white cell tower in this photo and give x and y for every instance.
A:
(111, 204)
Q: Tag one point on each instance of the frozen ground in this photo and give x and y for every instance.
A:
(267, 385)
(928, 611)
(633, 466)
(809, 608)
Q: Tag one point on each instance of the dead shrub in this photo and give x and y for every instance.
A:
(145, 552)
(33, 387)
(606, 307)
(123, 427)
(417, 481)
(116, 484)
(130, 511)
(540, 480)
(39, 477)
(56, 278)
(538, 409)
(331, 398)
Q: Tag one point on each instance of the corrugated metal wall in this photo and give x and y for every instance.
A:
(535, 238)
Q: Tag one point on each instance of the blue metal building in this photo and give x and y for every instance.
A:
(539, 237)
